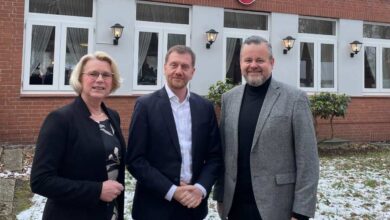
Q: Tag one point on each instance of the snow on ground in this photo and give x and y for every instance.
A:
(349, 188)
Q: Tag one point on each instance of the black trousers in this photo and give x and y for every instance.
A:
(247, 211)
(182, 212)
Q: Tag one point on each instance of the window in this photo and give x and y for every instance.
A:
(62, 7)
(233, 19)
(376, 57)
(162, 13)
(237, 27)
(376, 31)
(153, 39)
(317, 55)
(377, 68)
(314, 26)
(55, 41)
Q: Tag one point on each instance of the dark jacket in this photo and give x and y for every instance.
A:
(69, 166)
(154, 157)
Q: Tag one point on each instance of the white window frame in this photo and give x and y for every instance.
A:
(379, 44)
(243, 34)
(61, 23)
(317, 40)
(240, 34)
(163, 29)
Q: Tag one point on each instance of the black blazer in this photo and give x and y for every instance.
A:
(154, 158)
(69, 166)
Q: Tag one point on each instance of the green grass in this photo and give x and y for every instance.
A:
(378, 160)
(371, 183)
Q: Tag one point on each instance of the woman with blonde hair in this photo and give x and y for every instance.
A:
(78, 163)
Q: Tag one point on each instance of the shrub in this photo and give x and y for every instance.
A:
(327, 105)
(216, 90)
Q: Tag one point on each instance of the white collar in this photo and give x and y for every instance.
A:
(172, 95)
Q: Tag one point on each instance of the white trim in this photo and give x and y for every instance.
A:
(162, 29)
(61, 23)
(239, 34)
(318, 40)
(378, 45)
(162, 50)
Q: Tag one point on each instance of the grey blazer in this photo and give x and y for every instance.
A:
(284, 159)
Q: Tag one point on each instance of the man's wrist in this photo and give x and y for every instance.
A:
(170, 193)
(202, 189)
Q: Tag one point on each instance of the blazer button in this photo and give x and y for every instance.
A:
(176, 179)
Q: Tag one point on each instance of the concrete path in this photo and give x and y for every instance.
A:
(11, 160)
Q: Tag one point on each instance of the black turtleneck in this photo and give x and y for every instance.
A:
(252, 102)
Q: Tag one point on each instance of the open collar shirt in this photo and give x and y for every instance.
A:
(182, 116)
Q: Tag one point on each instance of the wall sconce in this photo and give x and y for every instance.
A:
(355, 47)
(211, 37)
(288, 43)
(117, 30)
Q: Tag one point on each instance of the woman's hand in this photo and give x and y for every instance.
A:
(110, 190)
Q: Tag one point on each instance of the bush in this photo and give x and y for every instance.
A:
(216, 90)
(327, 105)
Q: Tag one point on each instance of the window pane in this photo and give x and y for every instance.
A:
(376, 31)
(386, 68)
(176, 39)
(327, 66)
(307, 65)
(62, 7)
(76, 47)
(42, 55)
(233, 46)
(369, 67)
(147, 58)
(246, 21)
(162, 13)
(312, 26)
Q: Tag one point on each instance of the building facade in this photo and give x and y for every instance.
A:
(42, 40)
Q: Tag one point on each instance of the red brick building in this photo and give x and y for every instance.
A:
(37, 36)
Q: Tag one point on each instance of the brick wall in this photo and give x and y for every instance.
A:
(367, 119)
(21, 117)
(367, 10)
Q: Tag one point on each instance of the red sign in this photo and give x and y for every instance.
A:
(246, 2)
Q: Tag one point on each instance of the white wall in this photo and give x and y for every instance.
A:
(350, 70)
(286, 67)
(107, 14)
(208, 61)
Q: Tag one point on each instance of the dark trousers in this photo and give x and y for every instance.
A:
(181, 212)
(247, 211)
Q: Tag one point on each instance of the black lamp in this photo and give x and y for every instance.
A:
(211, 37)
(117, 30)
(355, 47)
(288, 43)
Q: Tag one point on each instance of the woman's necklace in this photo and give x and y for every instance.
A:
(99, 116)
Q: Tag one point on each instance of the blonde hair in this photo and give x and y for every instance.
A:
(75, 77)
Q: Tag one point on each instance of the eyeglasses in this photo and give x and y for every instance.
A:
(96, 74)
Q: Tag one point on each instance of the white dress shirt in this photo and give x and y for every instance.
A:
(182, 116)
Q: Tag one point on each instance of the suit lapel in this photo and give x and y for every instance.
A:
(194, 119)
(269, 101)
(234, 117)
(166, 110)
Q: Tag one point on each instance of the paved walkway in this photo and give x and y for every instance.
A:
(12, 163)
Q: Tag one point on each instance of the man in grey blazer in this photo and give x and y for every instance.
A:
(269, 145)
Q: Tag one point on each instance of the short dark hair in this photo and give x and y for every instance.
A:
(181, 49)
(257, 40)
